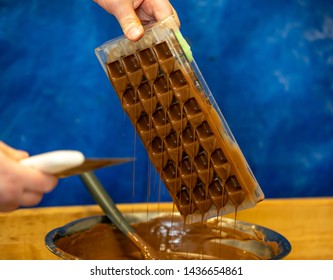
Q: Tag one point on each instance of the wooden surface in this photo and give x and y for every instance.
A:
(306, 223)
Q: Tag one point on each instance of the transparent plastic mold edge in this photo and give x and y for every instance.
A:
(168, 31)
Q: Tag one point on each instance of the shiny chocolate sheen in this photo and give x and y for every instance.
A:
(171, 239)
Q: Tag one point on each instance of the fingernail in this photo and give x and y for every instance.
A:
(135, 33)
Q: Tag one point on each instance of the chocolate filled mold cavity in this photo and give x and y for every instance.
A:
(188, 141)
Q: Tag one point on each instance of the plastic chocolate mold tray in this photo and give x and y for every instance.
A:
(185, 134)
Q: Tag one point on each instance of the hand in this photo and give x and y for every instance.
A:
(131, 14)
(21, 185)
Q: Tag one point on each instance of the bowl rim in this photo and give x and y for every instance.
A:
(85, 223)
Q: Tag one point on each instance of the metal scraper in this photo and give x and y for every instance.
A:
(64, 163)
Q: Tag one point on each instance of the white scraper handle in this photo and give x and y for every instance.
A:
(54, 162)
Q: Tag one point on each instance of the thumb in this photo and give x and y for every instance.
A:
(131, 25)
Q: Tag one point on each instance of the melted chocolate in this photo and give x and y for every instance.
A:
(169, 236)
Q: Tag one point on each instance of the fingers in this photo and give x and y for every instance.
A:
(8, 206)
(174, 12)
(22, 199)
(163, 9)
(12, 201)
(21, 185)
(26, 195)
(132, 13)
(11, 152)
(40, 183)
(30, 198)
(29, 178)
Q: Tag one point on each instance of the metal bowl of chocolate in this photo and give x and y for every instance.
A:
(96, 238)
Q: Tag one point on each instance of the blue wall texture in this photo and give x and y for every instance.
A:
(269, 65)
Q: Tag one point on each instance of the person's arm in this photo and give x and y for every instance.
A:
(131, 14)
(21, 185)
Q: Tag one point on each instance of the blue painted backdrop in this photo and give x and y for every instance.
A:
(268, 63)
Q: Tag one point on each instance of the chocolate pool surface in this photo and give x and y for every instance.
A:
(172, 239)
